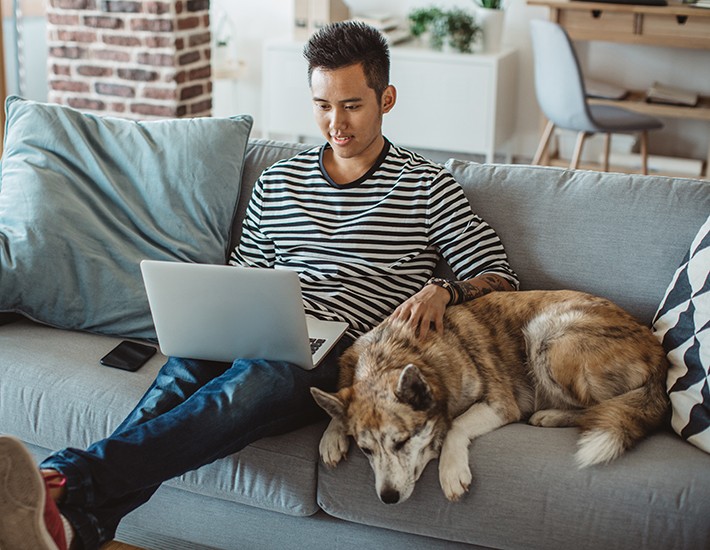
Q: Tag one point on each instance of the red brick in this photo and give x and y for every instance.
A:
(189, 57)
(156, 59)
(199, 39)
(103, 22)
(112, 55)
(200, 73)
(203, 107)
(185, 23)
(169, 94)
(152, 25)
(69, 86)
(68, 52)
(76, 36)
(160, 41)
(121, 6)
(62, 19)
(93, 70)
(158, 8)
(154, 110)
(85, 103)
(138, 75)
(197, 5)
(191, 92)
(73, 4)
(62, 70)
(104, 88)
(121, 40)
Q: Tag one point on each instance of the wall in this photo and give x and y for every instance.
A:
(627, 65)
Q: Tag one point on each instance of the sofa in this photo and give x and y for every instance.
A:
(614, 235)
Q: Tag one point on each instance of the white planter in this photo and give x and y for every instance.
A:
(492, 23)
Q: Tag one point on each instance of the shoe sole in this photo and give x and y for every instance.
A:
(22, 500)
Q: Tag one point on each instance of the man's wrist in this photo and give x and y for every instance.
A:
(449, 286)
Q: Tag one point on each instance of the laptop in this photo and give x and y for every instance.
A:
(223, 313)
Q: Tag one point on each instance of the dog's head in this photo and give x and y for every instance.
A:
(397, 423)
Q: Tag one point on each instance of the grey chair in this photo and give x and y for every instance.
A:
(560, 90)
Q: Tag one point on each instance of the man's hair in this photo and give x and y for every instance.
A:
(348, 43)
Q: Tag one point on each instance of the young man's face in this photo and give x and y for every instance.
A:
(348, 112)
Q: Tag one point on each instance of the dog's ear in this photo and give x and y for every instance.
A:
(332, 403)
(414, 390)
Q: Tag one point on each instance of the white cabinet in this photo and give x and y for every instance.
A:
(445, 101)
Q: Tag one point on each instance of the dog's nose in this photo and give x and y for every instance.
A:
(389, 496)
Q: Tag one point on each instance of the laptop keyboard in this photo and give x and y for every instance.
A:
(316, 343)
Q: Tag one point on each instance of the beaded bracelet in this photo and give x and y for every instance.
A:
(455, 294)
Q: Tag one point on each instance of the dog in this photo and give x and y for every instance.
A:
(553, 358)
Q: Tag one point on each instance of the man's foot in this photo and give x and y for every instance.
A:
(29, 519)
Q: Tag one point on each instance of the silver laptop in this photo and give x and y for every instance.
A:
(223, 313)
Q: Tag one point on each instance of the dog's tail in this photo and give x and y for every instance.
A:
(611, 427)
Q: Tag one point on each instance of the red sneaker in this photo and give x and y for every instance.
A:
(29, 519)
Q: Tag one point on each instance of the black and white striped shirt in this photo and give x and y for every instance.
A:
(363, 248)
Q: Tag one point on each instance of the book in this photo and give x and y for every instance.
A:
(662, 93)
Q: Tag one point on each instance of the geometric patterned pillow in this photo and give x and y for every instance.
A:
(682, 324)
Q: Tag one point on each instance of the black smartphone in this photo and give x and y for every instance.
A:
(128, 356)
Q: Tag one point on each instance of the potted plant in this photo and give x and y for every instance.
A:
(421, 20)
(491, 18)
(462, 30)
(456, 28)
(491, 4)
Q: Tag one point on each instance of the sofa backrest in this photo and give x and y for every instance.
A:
(614, 235)
(618, 236)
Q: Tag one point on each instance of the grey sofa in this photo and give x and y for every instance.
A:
(614, 235)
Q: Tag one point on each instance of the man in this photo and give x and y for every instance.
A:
(362, 222)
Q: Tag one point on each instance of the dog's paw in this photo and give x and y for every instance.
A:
(333, 445)
(454, 472)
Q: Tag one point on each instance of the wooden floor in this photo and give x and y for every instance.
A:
(115, 545)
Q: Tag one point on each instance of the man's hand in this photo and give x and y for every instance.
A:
(425, 308)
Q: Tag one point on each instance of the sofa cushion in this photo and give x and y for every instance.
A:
(527, 492)
(619, 236)
(54, 394)
(683, 327)
(84, 198)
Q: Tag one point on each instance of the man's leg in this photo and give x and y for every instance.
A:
(247, 401)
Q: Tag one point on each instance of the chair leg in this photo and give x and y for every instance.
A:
(607, 146)
(544, 142)
(644, 152)
(578, 150)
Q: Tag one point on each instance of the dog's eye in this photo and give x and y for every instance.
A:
(399, 445)
(366, 451)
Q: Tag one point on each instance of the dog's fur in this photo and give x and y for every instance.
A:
(554, 358)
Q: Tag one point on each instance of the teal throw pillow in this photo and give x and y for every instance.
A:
(83, 199)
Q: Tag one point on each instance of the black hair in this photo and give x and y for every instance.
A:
(348, 43)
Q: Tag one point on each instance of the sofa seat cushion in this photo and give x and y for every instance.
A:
(55, 394)
(527, 492)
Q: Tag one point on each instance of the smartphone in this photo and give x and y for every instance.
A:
(128, 356)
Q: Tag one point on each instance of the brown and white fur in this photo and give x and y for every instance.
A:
(553, 358)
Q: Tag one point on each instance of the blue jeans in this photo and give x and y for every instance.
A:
(194, 413)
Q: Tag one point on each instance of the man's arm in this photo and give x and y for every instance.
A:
(427, 307)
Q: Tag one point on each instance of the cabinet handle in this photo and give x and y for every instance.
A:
(681, 19)
(596, 14)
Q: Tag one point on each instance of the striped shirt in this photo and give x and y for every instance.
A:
(363, 248)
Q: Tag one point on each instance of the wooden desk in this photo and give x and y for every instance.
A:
(675, 25)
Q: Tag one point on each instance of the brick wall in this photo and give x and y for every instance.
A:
(140, 59)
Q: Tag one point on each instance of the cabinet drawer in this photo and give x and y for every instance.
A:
(597, 24)
(693, 31)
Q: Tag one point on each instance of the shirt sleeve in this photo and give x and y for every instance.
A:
(469, 245)
(255, 249)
